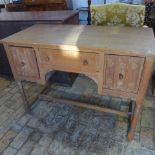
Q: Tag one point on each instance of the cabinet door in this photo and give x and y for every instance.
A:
(25, 64)
(122, 73)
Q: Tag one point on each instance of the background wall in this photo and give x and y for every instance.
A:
(83, 3)
(5, 1)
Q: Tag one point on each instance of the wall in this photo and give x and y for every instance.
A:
(83, 3)
(5, 1)
(69, 4)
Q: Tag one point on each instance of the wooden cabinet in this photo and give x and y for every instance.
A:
(36, 1)
(24, 62)
(38, 5)
(122, 73)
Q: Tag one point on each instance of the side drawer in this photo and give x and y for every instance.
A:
(70, 60)
(24, 62)
(122, 73)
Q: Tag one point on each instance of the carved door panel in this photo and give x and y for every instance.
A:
(25, 64)
(122, 73)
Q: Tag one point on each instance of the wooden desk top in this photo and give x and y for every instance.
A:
(37, 16)
(127, 40)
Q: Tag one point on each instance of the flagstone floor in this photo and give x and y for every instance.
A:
(53, 128)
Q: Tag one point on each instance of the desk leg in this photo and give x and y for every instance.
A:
(24, 98)
(134, 122)
(149, 61)
(153, 82)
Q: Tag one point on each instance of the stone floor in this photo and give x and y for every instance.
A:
(53, 128)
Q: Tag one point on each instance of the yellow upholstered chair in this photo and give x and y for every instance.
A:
(118, 14)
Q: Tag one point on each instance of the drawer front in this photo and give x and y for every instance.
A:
(122, 73)
(24, 60)
(70, 60)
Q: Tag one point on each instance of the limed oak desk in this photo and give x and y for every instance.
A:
(118, 59)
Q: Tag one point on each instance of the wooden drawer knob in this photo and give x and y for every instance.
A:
(121, 76)
(85, 62)
(47, 58)
(22, 64)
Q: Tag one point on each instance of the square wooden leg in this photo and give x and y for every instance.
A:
(24, 98)
(153, 82)
(134, 122)
(27, 104)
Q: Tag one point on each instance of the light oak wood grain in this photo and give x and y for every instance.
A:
(70, 60)
(123, 72)
(123, 40)
(24, 60)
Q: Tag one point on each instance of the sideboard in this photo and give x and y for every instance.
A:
(116, 58)
(38, 5)
(12, 22)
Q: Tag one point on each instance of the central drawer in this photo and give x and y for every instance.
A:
(72, 61)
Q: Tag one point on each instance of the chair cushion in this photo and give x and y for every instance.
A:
(118, 14)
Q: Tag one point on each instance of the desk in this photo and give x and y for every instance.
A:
(118, 59)
(12, 22)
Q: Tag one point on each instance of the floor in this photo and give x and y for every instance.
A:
(53, 128)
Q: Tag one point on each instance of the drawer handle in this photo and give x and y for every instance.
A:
(85, 62)
(22, 64)
(47, 58)
(121, 76)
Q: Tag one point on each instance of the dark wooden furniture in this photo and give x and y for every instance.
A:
(153, 83)
(148, 12)
(12, 22)
(38, 5)
(2, 6)
(152, 17)
(120, 66)
(89, 13)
